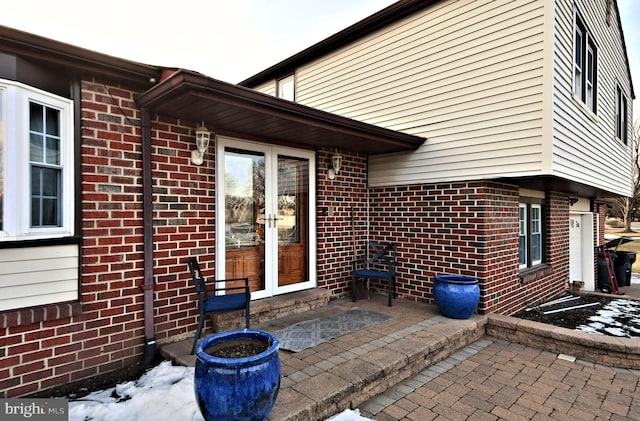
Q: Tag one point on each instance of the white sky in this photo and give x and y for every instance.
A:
(225, 39)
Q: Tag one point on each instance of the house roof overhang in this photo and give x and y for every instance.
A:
(560, 185)
(74, 59)
(234, 110)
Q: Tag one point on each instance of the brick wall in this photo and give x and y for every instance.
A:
(184, 224)
(111, 323)
(468, 229)
(341, 219)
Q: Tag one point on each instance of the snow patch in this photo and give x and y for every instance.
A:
(164, 393)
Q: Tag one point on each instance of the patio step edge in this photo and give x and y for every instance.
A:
(356, 380)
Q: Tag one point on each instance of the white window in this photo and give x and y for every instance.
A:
(578, 63)
(536, 235)
(286, 88)
(585, 56)
(621, 115)
(36, 170)
(522, 239)
(530, 245)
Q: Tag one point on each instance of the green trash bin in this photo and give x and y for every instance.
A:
(622, 265)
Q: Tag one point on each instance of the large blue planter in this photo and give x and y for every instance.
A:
(237, 388)
(456, 296)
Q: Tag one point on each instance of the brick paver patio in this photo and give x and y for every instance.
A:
(495, 379)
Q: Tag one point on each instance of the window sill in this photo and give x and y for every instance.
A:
(46, 313)
(535, 273)
(39, 242)
(588, 112)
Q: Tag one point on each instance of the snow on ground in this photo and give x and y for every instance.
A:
(618, 318)
(163, 393)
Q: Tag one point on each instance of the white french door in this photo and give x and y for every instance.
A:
(265, 224)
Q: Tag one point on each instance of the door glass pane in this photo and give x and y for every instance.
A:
(292, 220)
(244, 201)
(291, 191)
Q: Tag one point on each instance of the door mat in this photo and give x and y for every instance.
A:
(310, 333)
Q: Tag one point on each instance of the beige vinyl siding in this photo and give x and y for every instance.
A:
(585, 148)
(37, 276)
(268, 88)
(467, 75)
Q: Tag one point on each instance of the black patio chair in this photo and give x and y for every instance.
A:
(379, 263)
(217, 296)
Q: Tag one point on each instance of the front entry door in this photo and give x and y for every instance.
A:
(581, 249)
(265, 220)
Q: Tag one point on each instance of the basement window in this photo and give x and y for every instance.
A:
(530, 244)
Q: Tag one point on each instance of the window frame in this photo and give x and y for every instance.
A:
(532, 227)
(281, 85)
(622, 115)
(16, 171)
(522, 237)
(585, 64)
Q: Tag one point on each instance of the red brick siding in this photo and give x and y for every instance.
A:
(341, 213)
(111, 325)
(470, 229)
(184, 224)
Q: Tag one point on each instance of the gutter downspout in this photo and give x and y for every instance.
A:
(150, 348)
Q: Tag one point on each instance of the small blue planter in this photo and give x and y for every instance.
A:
(456, 296)
(237, 388)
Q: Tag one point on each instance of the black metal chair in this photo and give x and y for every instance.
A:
(379, 263)
(217, 295)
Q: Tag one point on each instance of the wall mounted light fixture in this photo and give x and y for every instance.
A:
(203, 136)
(334, 168)
(572, 201)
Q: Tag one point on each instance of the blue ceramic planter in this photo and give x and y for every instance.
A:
(237, 388)
(456, 296)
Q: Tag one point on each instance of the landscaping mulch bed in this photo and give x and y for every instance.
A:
(570, 318)
(611, 315)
